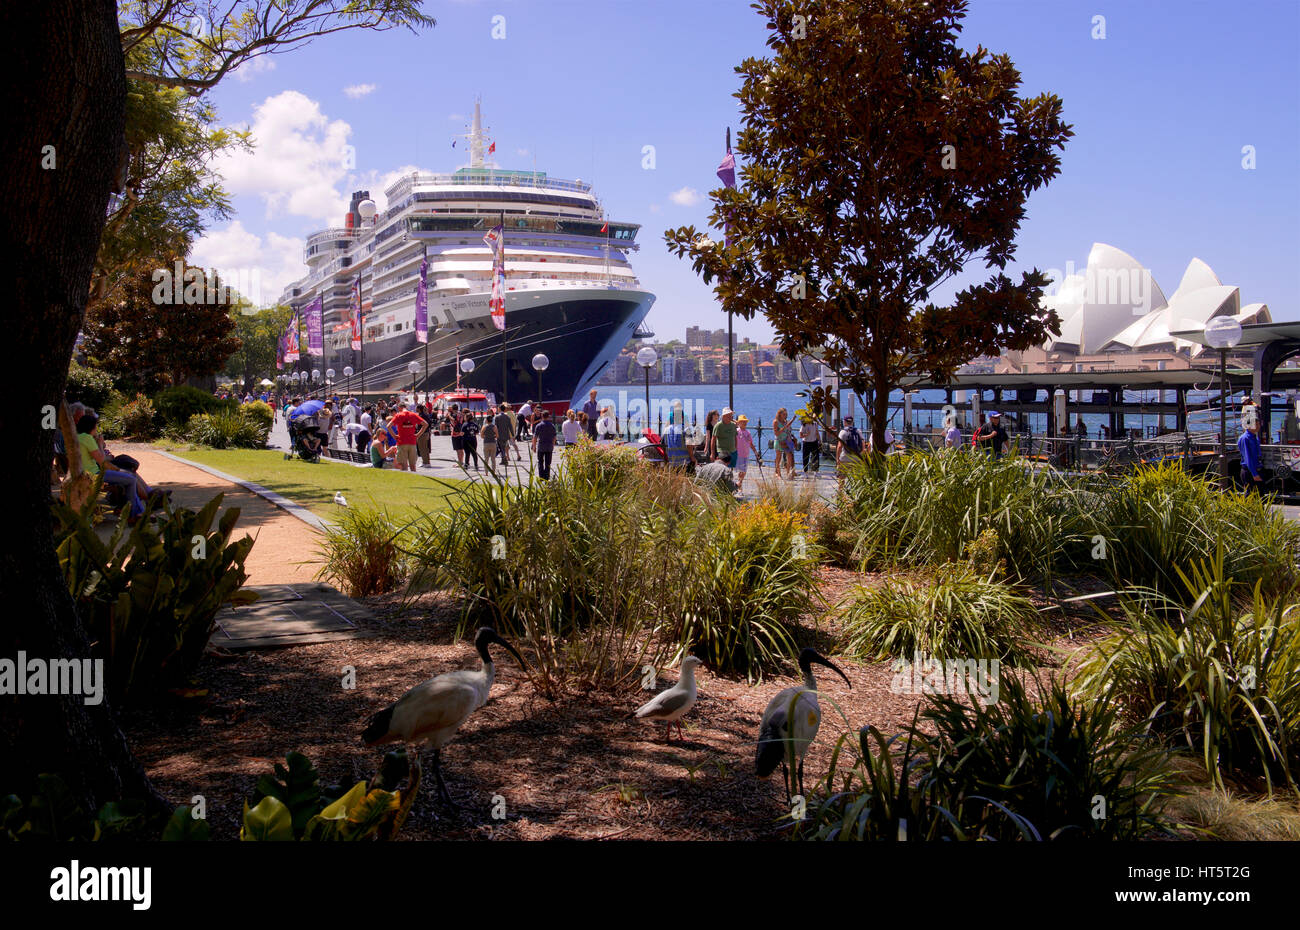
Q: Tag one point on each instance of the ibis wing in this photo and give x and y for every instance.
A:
(434, 705)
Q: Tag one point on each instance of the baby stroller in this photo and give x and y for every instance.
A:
(304, 441)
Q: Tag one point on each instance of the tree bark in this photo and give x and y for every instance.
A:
(67, 90)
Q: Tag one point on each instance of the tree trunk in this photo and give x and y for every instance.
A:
(68, 92)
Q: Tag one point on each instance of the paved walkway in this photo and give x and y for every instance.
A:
(442, 460)
(286, 547)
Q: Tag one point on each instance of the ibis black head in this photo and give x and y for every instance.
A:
(811, 655)
(488, 635)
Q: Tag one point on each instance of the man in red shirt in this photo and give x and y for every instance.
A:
(410, 427)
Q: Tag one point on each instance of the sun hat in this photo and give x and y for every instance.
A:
(742, 419)
(726, 410)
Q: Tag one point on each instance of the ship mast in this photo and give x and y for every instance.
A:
(476, 138)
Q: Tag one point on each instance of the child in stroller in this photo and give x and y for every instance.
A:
(304, 439)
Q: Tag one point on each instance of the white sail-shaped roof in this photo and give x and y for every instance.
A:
(1115, 290)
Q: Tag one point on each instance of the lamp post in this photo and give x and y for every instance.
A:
(540, 364)
(646, 357)
(414, 369)
(347, 373)
(315, 375)
(1223, 333)
(329, 376)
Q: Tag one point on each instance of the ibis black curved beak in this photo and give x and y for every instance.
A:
(494, 637)
(822, 660)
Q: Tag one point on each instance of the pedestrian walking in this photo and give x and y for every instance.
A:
(592, 411)
(1251, 456)
(457, 435)
(469, 438)
(744, 449)
(505, 430)
(724, 438)
(488, 433)
(544, 444)
(525, 419)
(783, 440)
(810, 435)
(409, 426)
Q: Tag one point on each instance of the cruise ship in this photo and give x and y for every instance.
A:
(570, 293)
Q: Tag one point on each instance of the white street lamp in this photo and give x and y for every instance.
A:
(646, 357)
(540, 364)
(1223, 333)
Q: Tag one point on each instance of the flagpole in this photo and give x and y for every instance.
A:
(731, 338)
(505, 329)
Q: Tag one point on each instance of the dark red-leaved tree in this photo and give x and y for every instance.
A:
(879, 159)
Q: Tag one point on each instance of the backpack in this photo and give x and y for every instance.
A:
(489, 431)
(854, 440)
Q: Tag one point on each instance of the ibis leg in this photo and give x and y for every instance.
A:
(443, 794)
(801, 775)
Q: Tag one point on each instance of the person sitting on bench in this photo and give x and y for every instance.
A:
(94, 461)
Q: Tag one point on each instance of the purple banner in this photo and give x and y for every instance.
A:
(422, 304)
(315, 327)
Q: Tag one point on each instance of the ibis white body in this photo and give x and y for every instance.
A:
(434, 710)
(791, 720)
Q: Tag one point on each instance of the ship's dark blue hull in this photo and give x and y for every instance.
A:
(580, 337)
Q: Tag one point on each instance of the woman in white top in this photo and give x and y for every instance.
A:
(571, 428)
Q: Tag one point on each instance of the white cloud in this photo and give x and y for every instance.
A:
(253, 67)
(260, 268)
(298, 161)
(686, 197)
(356, 91)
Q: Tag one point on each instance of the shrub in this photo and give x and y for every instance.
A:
(602, 572)
(601, 466)
(1160, 521)
(223, 430)
(291, 805)
(953, 614)
(260, 412)
(149, 597)
(1021, 768)
(757, 575)
(124, 418)
(110, 416)
(926, 507)
(1218, 678)
(178, 403)
(578, 572)
(362, 555)
(89, 385)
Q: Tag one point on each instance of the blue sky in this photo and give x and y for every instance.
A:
(1161, 107)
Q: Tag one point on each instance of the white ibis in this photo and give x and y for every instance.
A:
(432, 711)
(791, 720)
(671, 705)
(340, 499)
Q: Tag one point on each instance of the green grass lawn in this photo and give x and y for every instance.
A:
(313, 486)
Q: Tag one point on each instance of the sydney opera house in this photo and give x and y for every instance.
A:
(1114, 316)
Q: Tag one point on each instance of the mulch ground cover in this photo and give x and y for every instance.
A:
(577, 768)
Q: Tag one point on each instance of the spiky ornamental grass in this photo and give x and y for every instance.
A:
(608, 568)
(1032, 766)
(926, 508)
(1220, 677)
(953, 613)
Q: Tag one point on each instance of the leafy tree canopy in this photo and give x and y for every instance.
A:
(877, 160)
